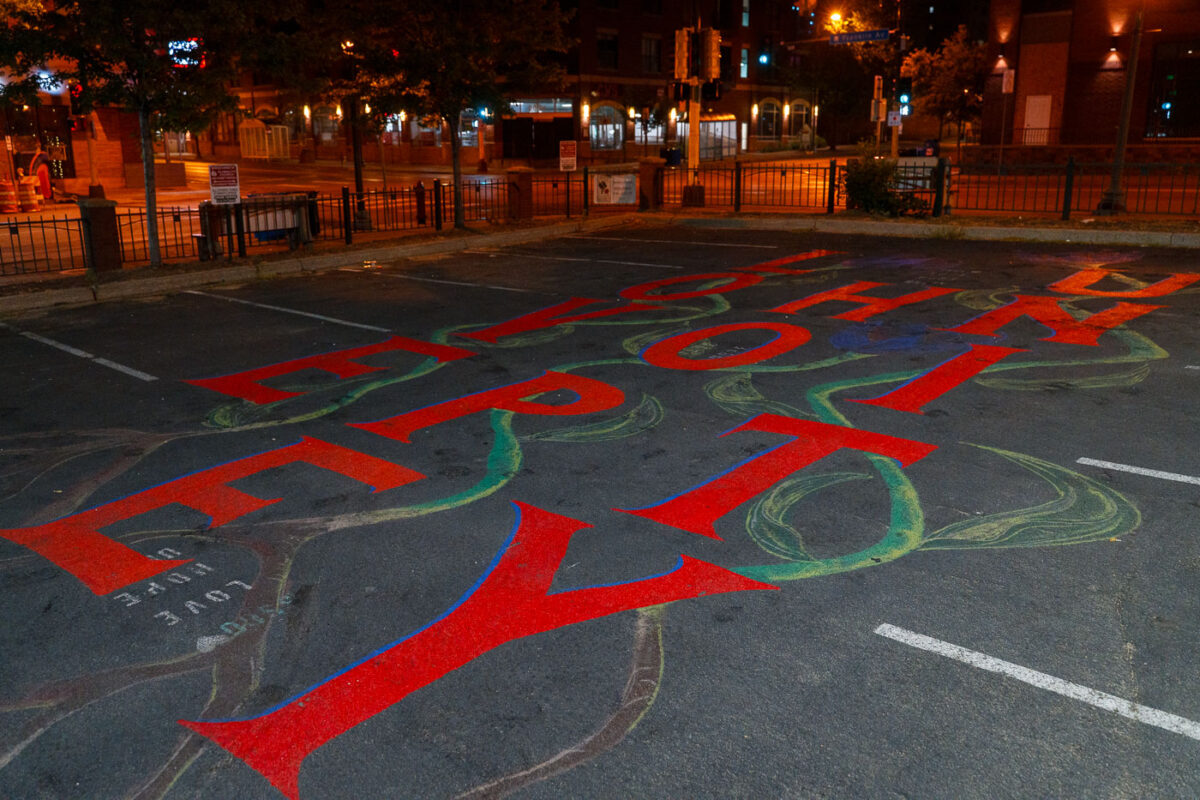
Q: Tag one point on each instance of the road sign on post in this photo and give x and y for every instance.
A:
(223, 184)
(568, 149)
(853, 37)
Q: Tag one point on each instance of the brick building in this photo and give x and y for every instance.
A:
(1070, 60)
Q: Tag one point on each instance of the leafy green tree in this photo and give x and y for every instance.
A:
(452, 55)
(949, 83)
(166, 62)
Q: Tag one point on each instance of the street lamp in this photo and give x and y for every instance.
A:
(1113, 199)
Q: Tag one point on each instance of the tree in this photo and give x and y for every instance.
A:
(452, 55)
(949, 83)
(165, 62)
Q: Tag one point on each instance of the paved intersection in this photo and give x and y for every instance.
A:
(672, 512)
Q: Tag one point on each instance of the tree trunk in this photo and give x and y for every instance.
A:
(148, 173)
(460, 217)
(362, 220)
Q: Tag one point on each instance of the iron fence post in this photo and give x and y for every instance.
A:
(239, 228)
(568, 195)
(832, 200)
(939, 187)
(347, 222)
(737, 186)
(437, 204)
(586, 194)
(1068, 188)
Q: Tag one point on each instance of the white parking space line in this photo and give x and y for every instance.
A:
(1192, 366)
(334, 320)
(675, 241)
(75, 351)
(1102, 700)
(1152, 473)
(403, 277)
(589, 260)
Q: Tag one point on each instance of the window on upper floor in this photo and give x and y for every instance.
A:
(651, 55)
(607, 50)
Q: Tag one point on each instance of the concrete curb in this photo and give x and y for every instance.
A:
(924, 230)
(242, 273)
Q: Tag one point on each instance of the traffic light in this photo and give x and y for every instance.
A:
(710, 54)
(75, 97)
(683, 61)
(904, 95)
(710, 91)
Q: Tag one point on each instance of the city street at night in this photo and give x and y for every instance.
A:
(686, 510)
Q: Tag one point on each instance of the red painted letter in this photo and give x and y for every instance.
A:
(697, 509)
(1081, 282)
(551, 316)
(247, 385)
(870, 305)
(666, 353)
(929, 386)
(735, 281)
(593, 395)
(513, 600)
(1048, 312)
(776, 266)
(104, 565)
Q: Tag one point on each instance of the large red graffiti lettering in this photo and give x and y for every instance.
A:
(1081, 283)
(776, 266)
(513, 600)
(927, 387)
(870, 305)
(667, 352)
(76, 545)
(592, 395)
(649, 291)
(698, 509)
(248, 385)
(1048, 312)
(552, 316)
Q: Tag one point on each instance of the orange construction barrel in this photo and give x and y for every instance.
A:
(8, 198)
(28, 196)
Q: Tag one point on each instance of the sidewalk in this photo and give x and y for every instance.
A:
(41, 291)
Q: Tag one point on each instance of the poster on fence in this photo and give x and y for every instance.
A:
(223, 184)
(610, 189)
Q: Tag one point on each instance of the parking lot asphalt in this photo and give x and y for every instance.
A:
(678, 511)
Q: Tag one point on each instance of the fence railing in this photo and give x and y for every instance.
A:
(264, 222)
(42, 244)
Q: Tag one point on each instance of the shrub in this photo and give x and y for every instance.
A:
(870, 185)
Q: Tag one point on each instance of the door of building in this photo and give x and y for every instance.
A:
(1037, 120)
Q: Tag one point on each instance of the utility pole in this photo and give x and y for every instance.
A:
(1113, 199)
(697, 62)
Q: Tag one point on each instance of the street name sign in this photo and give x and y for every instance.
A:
(853, 37)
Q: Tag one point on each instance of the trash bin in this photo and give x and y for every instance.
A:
(674, 156)
(314, 215)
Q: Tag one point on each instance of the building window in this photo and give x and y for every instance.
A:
(745, 13)
(606, 128)
(607, 50)
(769, 117)
(744, 69)
(651, 55)
(798, 118)
(1175, 92)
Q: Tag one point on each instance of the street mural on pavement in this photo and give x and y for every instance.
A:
(674, 325)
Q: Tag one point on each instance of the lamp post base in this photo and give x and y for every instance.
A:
(1111, 202)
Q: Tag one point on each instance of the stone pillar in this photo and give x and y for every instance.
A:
(101, 239)
(520, 193)
(650, 183)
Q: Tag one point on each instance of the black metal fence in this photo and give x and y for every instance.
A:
(42, 244)
(278, 221)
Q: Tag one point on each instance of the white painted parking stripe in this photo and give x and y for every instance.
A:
(1153, 473)
(591, 260)
(404, 277)
(1102, 700)
(334, 320)
(75, 351)
(1192, 366)
(675, 241)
